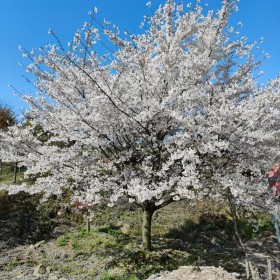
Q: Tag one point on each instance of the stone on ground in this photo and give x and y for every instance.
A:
(195, 273)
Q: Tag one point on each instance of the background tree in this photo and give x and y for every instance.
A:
(7, 118)
(171, 113)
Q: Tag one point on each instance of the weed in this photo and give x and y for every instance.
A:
(63, 240)
(109, 276)
(75, 244)
(13, 263)
(30, 262)
(73, 269)
(111, 229)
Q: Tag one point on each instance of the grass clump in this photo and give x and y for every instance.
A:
(111, 230)
(142, 263)
(70, 269)
(63, 240)
(14, 263)
(112, 276)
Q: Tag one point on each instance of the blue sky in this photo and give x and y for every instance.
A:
(26, 23)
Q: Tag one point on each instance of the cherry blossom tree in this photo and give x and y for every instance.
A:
(274, 179)
(170, 113)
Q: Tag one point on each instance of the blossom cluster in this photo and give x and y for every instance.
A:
(173, 113)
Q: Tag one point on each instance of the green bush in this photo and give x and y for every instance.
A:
(254, 225)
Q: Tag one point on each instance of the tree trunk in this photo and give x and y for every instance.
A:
(0, 165)
(276, 226)
(15, 172)
(88, 223)
(235, 220)
(146, 229)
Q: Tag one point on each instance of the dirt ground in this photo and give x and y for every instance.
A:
(259, 251)
(14, 262)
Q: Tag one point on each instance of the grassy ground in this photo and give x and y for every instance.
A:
(112, 249)
(196, 235)
(183, 234)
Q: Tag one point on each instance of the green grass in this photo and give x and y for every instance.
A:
(182, 234)
(14, 263)
(115, 250)
(256, 225)
(63, 240)
(70, 269)
(190, 239)
(112, 276)
(95, 240)
(197, 235)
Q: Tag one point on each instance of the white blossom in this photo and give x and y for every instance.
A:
(173, 113)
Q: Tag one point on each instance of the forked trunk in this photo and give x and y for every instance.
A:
(146, 229)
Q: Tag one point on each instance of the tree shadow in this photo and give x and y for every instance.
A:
(22, 219)
(210, 241)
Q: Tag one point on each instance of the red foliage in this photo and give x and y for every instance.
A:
(7, 117)
(274, 179)
(81, 207)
